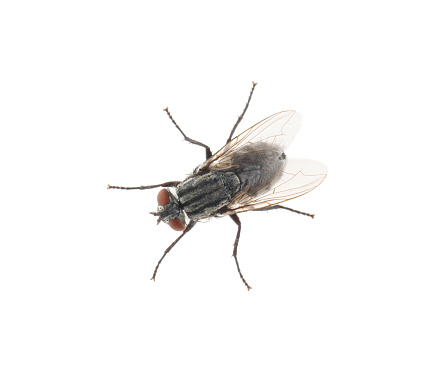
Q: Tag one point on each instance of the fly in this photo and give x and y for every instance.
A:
(250, 173)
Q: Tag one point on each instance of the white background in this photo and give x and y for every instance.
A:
(349, 300)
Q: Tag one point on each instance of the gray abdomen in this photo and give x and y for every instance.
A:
(201, 196)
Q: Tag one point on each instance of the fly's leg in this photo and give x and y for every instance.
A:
(188, 228)
(243, 113)
(167, 184)
(236, 219)
(276, 207)
(192, 141)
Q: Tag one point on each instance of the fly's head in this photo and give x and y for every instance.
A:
(169, 210)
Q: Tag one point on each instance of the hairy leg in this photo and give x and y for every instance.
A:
(192, 141)
(167, 184)
(243, 113)
(191, 224)
(236, 219)
(277, 207)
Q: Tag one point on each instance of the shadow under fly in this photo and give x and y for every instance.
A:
(250, 173)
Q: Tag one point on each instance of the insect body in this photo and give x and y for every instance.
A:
(202, 196)
(250, 173)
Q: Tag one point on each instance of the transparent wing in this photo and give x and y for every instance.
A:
(278, 129)
(299, 176)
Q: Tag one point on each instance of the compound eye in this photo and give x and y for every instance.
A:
(176, 224)
(163, 197)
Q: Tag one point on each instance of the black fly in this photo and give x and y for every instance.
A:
(250, 173)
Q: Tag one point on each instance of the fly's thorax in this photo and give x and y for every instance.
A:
(202, 196)
(259, 166)
(169, 210)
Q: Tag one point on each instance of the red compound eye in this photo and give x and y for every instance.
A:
(163, 200)
(176, 224)
(163, 197)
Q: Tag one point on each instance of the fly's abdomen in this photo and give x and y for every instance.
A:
(258, 166)
(201, 196)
